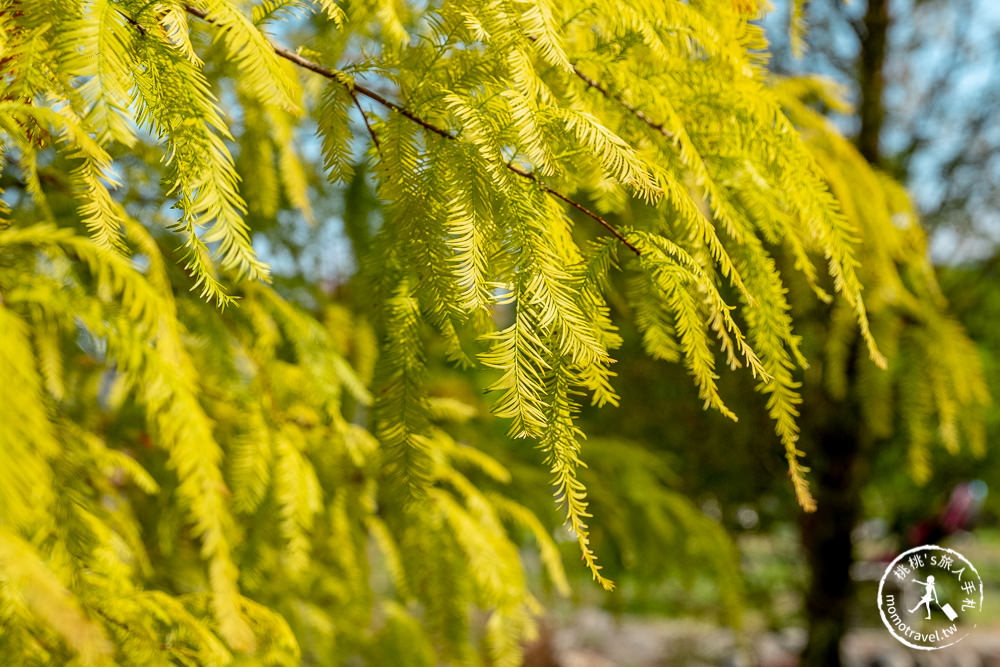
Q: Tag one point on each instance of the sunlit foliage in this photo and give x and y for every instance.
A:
(197, 468)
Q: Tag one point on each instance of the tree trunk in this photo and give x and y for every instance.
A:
(871, 80)
(826, 533)
(839, 457)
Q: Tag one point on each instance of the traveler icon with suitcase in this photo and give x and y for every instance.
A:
(930, 594)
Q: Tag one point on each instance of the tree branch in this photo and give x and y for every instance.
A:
(638, 113)
(358, 89)
(368, 126)
(132, 21)
(635, 111)
(580, 207)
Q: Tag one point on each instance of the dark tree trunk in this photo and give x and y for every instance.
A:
(871, 80)
(839, 452)
(837, 460)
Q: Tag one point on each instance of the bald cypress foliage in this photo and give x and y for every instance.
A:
(198, 467)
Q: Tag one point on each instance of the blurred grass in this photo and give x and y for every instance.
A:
(775, 574)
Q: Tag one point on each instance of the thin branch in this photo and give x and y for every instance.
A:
(580, 207)
(356, 88)
(635, 111)
(132, 21)
(638, 113)
(368, 126)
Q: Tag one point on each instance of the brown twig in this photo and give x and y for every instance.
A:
(578, 206)
(138, 26)
(356, 89)
(368, 126)
(638, 113)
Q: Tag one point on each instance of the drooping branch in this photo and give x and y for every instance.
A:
(368, 126)
(635, 111)
(131, 21)
(578, 206)
(358, 89)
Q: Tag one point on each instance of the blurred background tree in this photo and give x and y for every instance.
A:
(922, 78)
